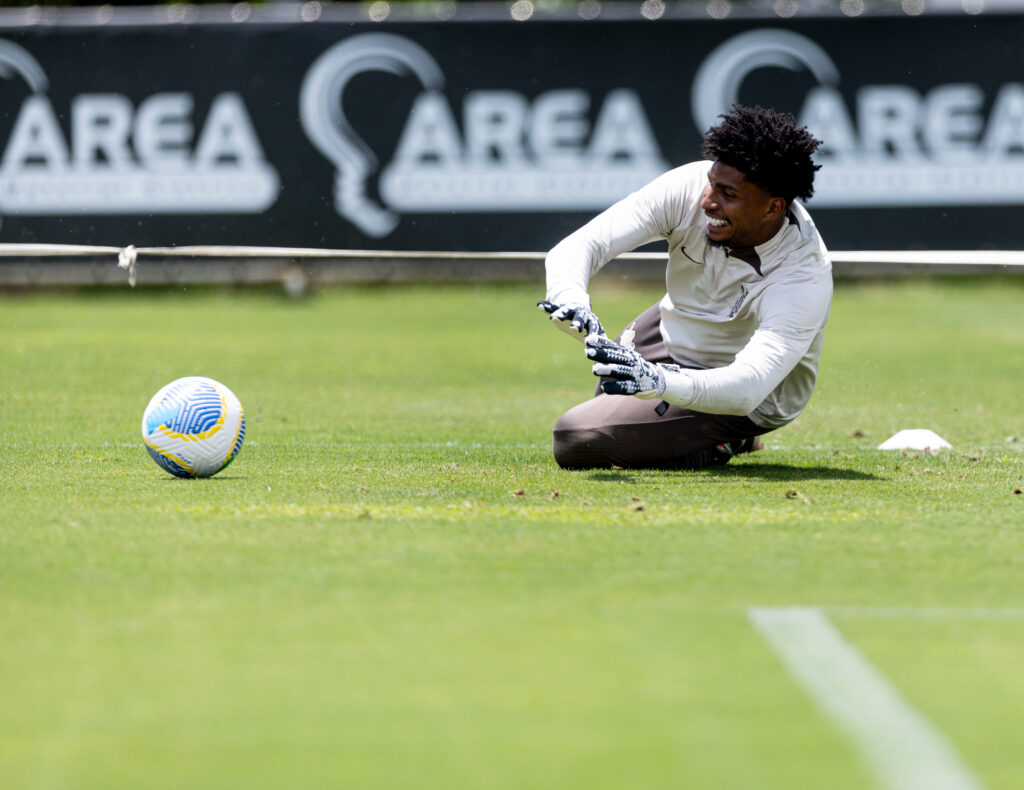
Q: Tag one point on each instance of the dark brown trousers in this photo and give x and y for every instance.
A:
(621, 430)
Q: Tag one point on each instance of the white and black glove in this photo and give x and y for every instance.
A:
(574, 319)
(631, 374)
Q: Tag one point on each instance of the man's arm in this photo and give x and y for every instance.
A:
(573, 261)
(790, 323)
(649, 214)
(740, 387)
(646, 215)
(734, 389)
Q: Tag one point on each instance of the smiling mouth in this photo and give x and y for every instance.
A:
(714, 223)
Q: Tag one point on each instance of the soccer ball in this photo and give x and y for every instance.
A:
(193, 427)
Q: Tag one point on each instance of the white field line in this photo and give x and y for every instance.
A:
(904, 750)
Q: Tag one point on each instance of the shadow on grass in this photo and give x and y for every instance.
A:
(787, 472)
(778, 472)
(202, 480)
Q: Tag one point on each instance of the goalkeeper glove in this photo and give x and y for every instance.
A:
(631, 374)
(575, 319)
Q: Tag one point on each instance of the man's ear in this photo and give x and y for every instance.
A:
(776, 208)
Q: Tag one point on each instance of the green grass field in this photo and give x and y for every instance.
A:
(393, 586)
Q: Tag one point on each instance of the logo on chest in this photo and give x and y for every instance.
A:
(739, 302)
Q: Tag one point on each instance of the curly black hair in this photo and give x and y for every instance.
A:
(768, 148)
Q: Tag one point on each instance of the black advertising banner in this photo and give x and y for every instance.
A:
(494, 135)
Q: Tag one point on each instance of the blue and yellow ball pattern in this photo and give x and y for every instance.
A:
(193, 427)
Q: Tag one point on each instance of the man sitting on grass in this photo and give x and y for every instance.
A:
(731, 351)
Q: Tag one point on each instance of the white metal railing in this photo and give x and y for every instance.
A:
(298, 266)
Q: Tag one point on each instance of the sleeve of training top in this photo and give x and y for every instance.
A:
(646, 215)
(790, 320)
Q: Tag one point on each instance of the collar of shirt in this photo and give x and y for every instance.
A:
(754, 256)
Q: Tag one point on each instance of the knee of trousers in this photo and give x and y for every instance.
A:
(577, 444)
(579, 449)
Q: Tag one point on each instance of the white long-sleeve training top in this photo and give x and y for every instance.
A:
(752, 320)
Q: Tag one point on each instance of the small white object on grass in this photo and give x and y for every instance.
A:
(915, 439)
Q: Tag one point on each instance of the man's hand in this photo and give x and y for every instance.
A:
(631, 373)
(575, 319)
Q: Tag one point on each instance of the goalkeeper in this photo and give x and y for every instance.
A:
(731, 351)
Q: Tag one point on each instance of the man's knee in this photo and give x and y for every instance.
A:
(600, 433)
(577, 444)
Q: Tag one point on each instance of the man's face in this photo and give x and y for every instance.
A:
(739, 213)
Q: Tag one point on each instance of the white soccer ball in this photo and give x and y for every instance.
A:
(193, 427)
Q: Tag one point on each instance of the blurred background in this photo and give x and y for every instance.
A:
(490, 127)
